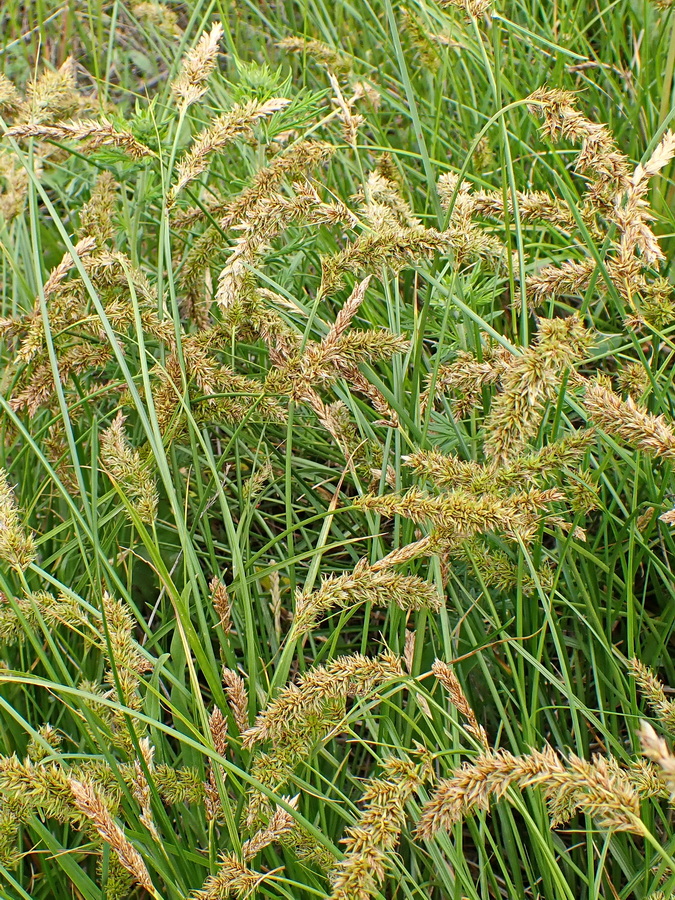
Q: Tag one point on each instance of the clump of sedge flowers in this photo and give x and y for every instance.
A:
(369, 842)
(125, 468)
(17, 544)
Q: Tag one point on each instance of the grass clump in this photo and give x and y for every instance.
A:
(337, 411)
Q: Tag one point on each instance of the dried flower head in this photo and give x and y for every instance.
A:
(197, 65)
(124, 467)
(90, 802)
(17, 544)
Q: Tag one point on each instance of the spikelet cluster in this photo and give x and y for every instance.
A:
(447, 677)
(17, 544)
(369, 842)
(86, 792)
(382, 587)
(298, 704)
(615, 196)
(124, 466)
(222, 131)
(626, 420)
(571, 786)
(197, 64)
(90, 803)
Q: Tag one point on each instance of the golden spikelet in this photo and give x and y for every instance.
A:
(317, 50)
(196, 66)
(52, 95)
(297, 704)
(654, 692)
(141, 788)
(237, 696)
(445, 674)
(17, 544)
(96, 132)
(233, 879)
(624, 419)
(571, 786)
(221, 603)
(90, 803)
(281, 823)
(364, 585)
(373, 838)
(124, 467)
(218, 729)
(237, 122)
(351, 122)
(530, 382)
(16, 180)
(96, 215)
(9, 96)
(599, 154)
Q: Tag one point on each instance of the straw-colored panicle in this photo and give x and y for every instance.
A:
(531, 468)
(222, 604)
(447, 677)
(300, 374)
(655, 748)
(232, 879)
(126, 664)
(237, 122)
(95, 132)
(363, 585)
(237, 696)
(459, 514)
(238, 397)
(351, 121)
(281, 822)
(17, 544)
(624, 419)
(465, 377)
(52, 95)
(141, 788)
(495, 568)
(96, 215)
(370, 842)
(533, 206)
(570, 786)
(35, 387)
(599, 156)
(196, 67)
(381, 203)
(126, 470)
(62, 610)
(90, 803)
(654, 693)
(317, 50)
(467, 240)
(268, 219)
(298, 704)
(394, 247)
(632, 213)
(15, 191)
(530, 382)
(218, 729)
(299, 158)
